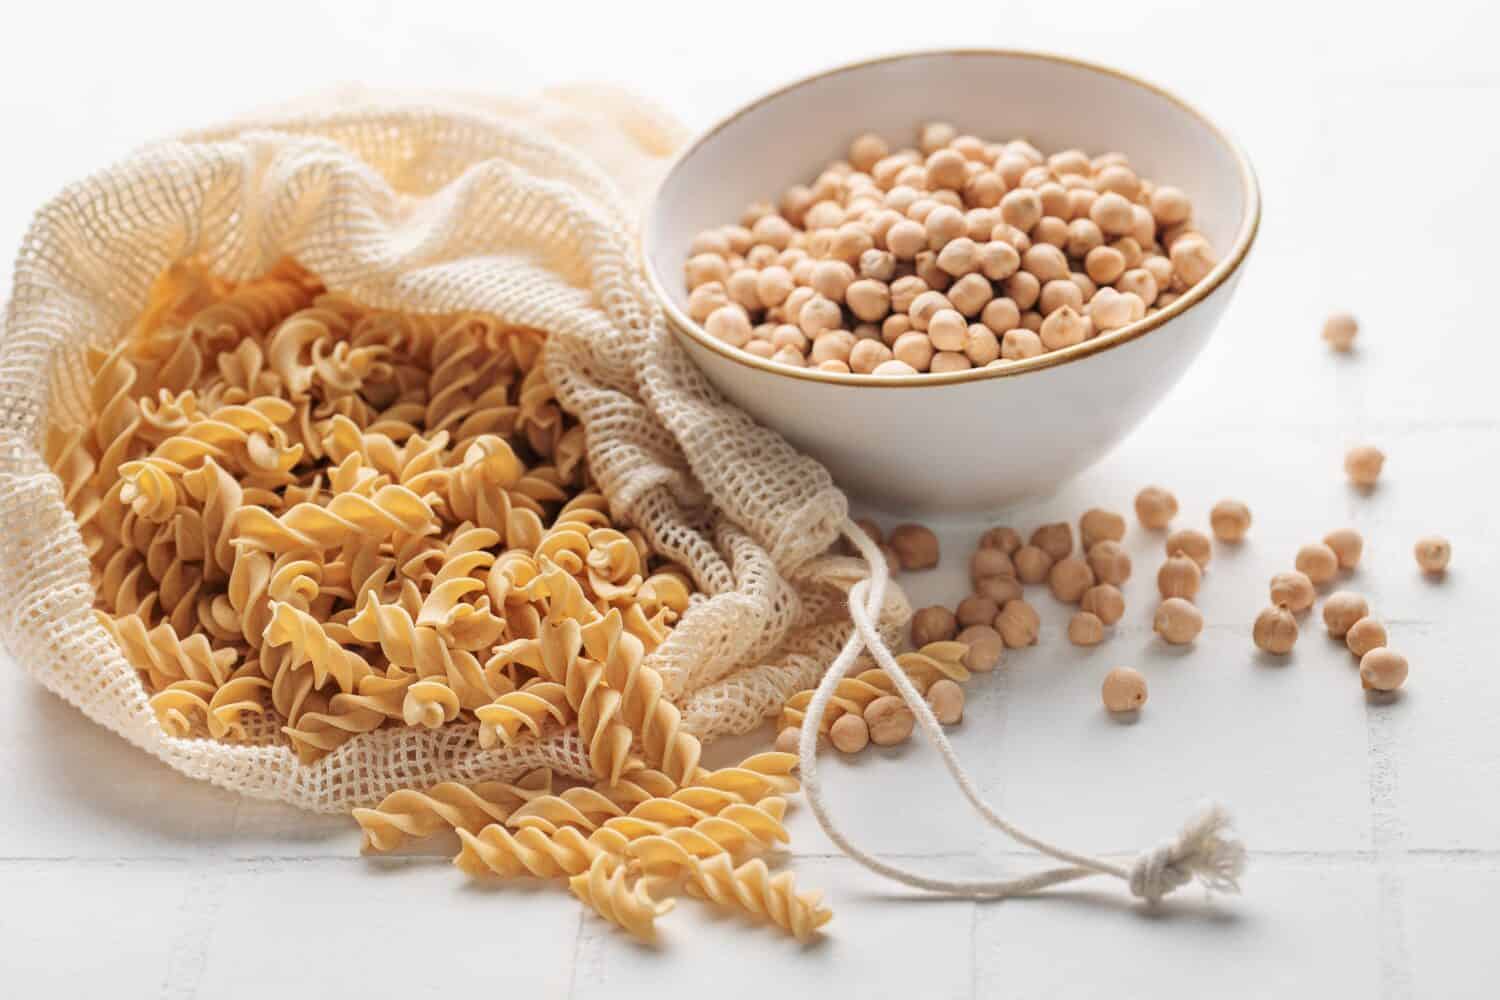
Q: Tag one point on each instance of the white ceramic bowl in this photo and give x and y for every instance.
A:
(961, 442)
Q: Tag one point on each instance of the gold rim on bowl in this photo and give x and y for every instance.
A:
(1249, 227)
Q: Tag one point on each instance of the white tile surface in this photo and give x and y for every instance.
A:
(1377, 823)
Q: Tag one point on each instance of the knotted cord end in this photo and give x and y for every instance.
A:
(1206, 849)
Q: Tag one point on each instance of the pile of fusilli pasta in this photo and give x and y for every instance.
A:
(308, 520)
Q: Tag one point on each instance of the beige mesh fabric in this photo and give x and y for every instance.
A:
(523, 209)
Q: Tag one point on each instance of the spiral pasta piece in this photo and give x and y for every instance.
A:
(409, 813)
(605, 888)
(182, 706)
(525, 710)
(495, 850)
(310, 643)
(752, 888)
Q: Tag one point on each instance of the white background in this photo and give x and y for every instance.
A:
(1375, 827)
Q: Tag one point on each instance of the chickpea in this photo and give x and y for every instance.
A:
(905, 239)
(1099, 525)
(914, 350)
(1104, 265)
(989, 561)
(950, 361)
(1347, 544)
(1050, 231)
(893, 326)
(819, 315)
(789, 356)
(1064, 328)
(1085, 629)
(984, 189)
(986, 647)
(871, 529)
(868, 150)
(1058, 293)
(711, 242)
(1170, 206)
(761, 348)
(1177, 621)
(867, 355)
(831, 279)
(959, 257)
(729, 324)
(705, 267)
(1018, 624)
(1069, 578)
(999, 589)
(970, 294)
(1341, 610)
(1105, 602)
(1339, 331)
(1363, 464)
(1179, 577)
(947, 330)
(890, 721)
(1119, 179)
(1023, 289)
(976, 609)
(1111, 213)
(1365, 635)
(933, 624)
(787, 739)
(849, 733)
(1230, 520)
(868, 300)
(894, 367)
(1155, 507)
(1319, 562)
(1433, 554)
(905, 291)
(705, 299)
(1111, 310)
(1110, 562)
(946, 169)
(981, 346)
(1275, 630)
(1016, 345)
(1138, 282)
(1080, 200)
(1124, 690)
(926, 306)
(943, 225)
(1021, 208)
(1055, 538)
(1160, 269)
(916, 545)
(998, 260)
(1293, 591)
(1382, 669)
(773, 285)
(1005, 539)
(1193, 544)
(1192, 259)
(935, 135)
(832, 365)
(946, 699)
(877, 265)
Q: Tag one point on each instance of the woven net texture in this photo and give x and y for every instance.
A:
(428, 204)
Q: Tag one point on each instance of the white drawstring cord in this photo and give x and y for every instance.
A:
(1205, 848)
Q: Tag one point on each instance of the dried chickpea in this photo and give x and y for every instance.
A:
(710, 241)
(894, 326)
(1058, 293)
(1032, 563)
(773, 285)
(1099, 525)
(1192, 259)
(925, 306)
(1021, 208)
(894, 367)
(976, 609)
(742, 289)
(832, 345)
(943, 225)
(890, 721)
(705, 267)
(1005, 539)
(1110, 562)
(935, 135)
(1055, 538)
(1023, 289)
(1339, 331)
(1111, 310)
(831, 279)
(1433, 554)
(1319, 562)
(1064, 328)
(1138, 282)
(1193, 544)
(760, 348)
(1365, 635)
(1104, 265)
(1085, 629)
(1347, 544)
(787, 739)
(946, 169)
(933, 624)
(970, 294)
(1341, 610)
(833, 365)
(1177, 621)
(981, 346)
(704, 300)
(819, 315)
(867, 150)
(947, 329)
(867, 355)
(1179, 577)
(1017, 345)
(1293, 591)
(1069, 578)
(1111, 213)
(1124, 690)
(1155, 507)
(986, 648)
(905, 239)
(1363, 463)
(1120, 180)
(1050, 231)
(790, 356)
(990, 561)
(1018, 624)
(1000, 589)
(877, 265)
(959, 257)
(868, 299)
(998, 261)
(916, 545)
(1230, 520)
(946, 699)
(729, 324)
(849, 733)
(1275, 630)
(1105, 602)
(914, 349)
(1170, 206)
(1382, 669)
(950, 361)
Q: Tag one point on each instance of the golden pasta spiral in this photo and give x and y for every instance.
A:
(605, 888)
(450, 805)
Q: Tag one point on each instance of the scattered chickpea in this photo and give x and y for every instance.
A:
(1032, 564)
(1005, 539)
(987, 562)
(1341, 610)
(1382, 669)
(916, 545)
(1365, 635)
(1275, 630)
(1363, 464)
(890, 721)
(787, 739)
(1339, 331)
(1097, 525)
(1069, 578)
(999, 589)
(1155, 507)
(1293, 591)
(1055, 539)
(986, 647)
(1319, 562)
(1179, 578)
(976, 609)
(1177, 621)
(1105, 602)
(1193, 544)
(1124, 690)
(1230, 520)
(1085, 629)
(946, 699)
(1433, 554)
(933, 624)
(1018, 624)
(849, 733)
(1110, 562)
